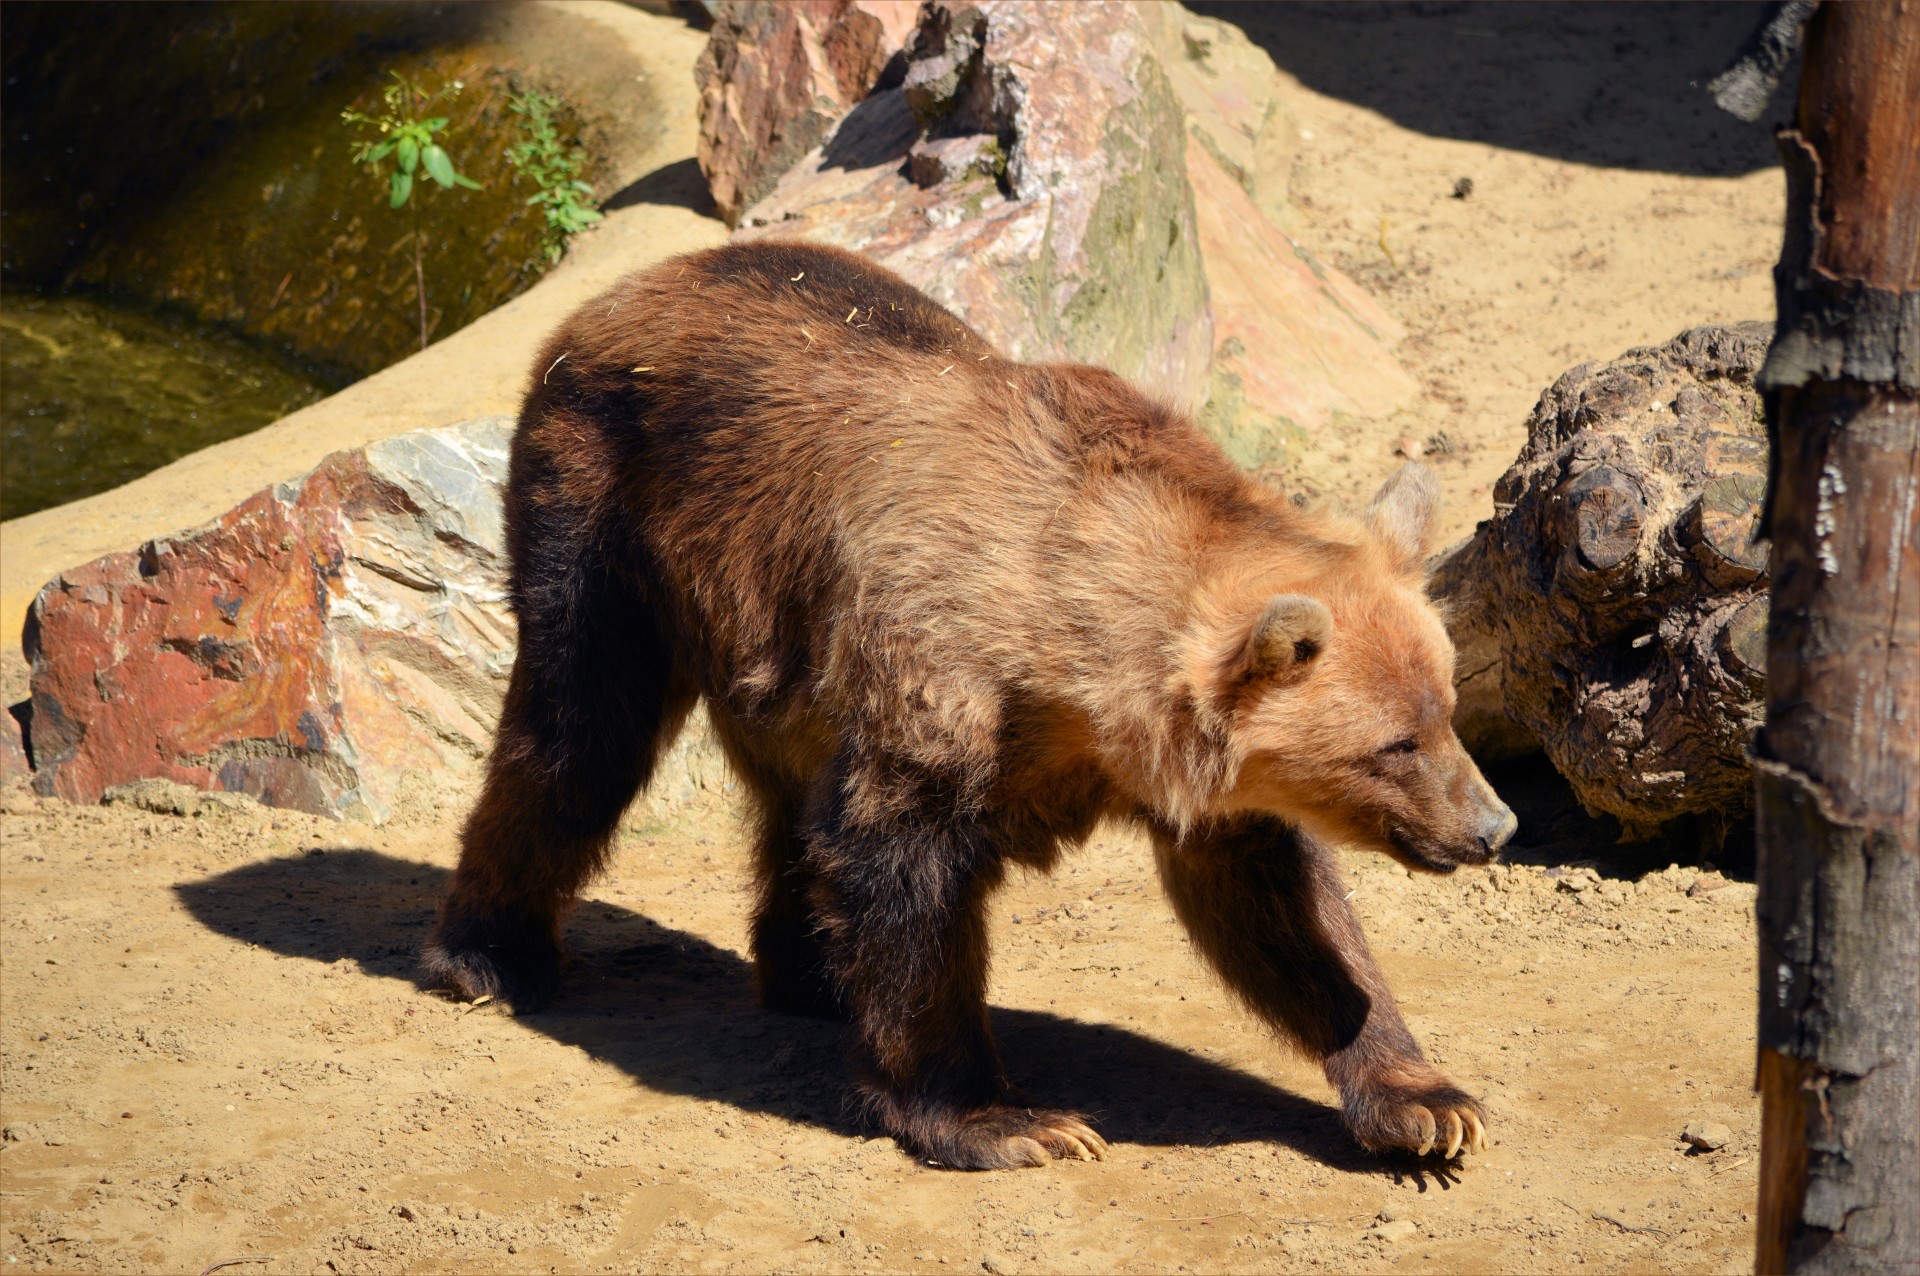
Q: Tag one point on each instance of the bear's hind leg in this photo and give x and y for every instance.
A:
(902, 898)
(1266, 907)
(593, 699)
(789, 950)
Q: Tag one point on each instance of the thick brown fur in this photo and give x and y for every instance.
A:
(948, 611)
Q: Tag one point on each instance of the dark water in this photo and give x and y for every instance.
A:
(93, 395)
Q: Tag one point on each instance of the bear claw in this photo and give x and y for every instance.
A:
(1463, 1132)
(482, 957)
(1079, 1138)
(1442, 1121)
(1011, 1138)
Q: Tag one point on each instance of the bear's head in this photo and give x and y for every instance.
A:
(1336, 692)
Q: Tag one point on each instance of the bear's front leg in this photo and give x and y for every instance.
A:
(1266, 907)
(901, 898)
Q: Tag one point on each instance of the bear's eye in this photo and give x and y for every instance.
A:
(1408, 745)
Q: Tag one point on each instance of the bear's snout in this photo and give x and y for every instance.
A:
(1497, 828)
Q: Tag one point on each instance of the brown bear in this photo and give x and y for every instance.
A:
(947, 612)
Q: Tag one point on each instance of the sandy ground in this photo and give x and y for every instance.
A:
(1612, 204)
(213, 1044)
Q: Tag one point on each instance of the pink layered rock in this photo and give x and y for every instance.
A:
(776, 75)
(332, 645)
(338, 644)
(1061, 224)
(1297, 342)
(1096, 182)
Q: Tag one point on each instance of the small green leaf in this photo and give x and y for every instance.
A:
(439, 167)
(378, 152)
(461, 179)
(402, 187)
(538, 197)
(434, 125)
(409, 151)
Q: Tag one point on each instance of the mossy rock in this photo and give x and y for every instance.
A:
(215, 177)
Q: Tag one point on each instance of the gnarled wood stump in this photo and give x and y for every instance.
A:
(1613, 610)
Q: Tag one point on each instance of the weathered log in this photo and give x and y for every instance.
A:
(1613, 610)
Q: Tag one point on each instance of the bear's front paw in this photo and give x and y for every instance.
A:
(518, 963)
(1004, 1138)
(1434, 1118)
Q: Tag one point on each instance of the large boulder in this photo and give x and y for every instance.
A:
(1234, 98)
(1613, 611)
(13, 751)
(1029, 174)
(777, 74)
(1295, 342)
(337, 644)
(1095, 182)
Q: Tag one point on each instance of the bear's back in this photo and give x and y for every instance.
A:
(847, 499)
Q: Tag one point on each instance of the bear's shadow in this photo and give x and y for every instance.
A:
(679, 1015)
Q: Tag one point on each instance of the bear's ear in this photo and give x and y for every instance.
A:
(1291, 631)
(1402, 513)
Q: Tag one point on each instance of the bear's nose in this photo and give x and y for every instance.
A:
(1497, 829)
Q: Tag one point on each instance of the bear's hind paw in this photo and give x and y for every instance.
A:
(517, 965)
(1003, 1138)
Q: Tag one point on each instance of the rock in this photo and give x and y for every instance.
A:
(254, 218)
(326, 645)
(777, 74)
(1703, 888)
(13, 751)
(1577, 879)
(998, 1264)
(161, 797)
(1102, 172)
(337, 644)
(1394, 1230)
(1708, 1136)
(1232, 94)
(934, 161)
(1082, 246)
(1613, 610)
(1295, 343)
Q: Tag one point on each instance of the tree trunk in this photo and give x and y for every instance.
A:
(1837, 783)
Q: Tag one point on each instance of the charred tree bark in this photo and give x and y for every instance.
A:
(1837, 783)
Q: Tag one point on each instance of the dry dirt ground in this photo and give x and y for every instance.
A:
(213, 1043)
(1612, 205)
(216, 1046)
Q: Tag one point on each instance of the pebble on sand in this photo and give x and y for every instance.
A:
(1708, 1136)
(1394, 1230)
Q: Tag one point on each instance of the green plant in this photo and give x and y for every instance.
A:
(554, 168)
(408, 139)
